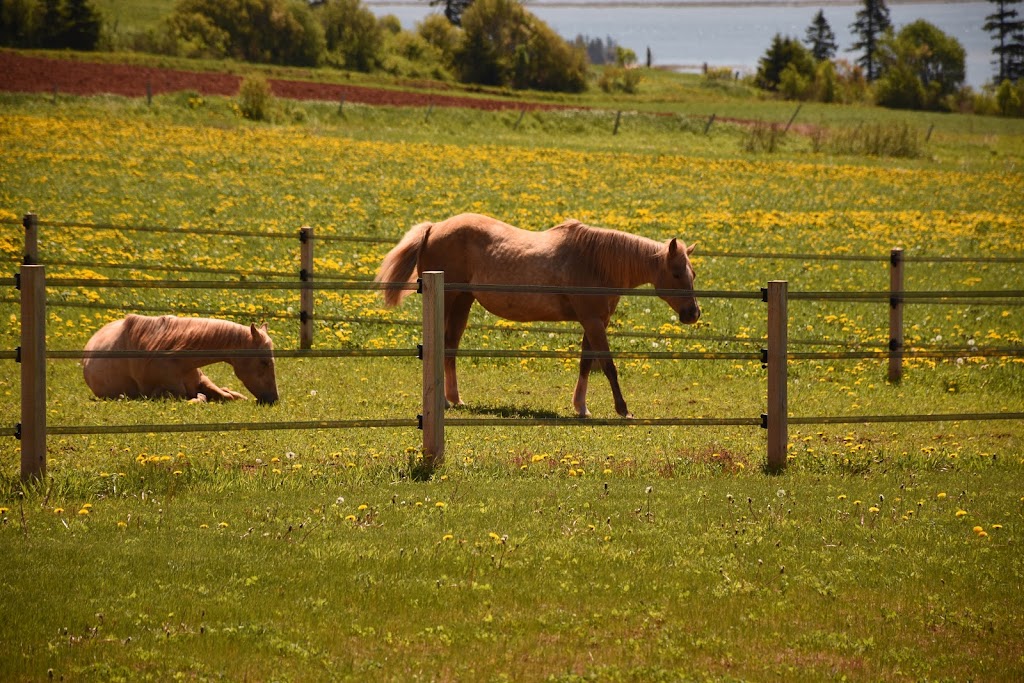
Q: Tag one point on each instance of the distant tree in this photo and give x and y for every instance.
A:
(81, 25)
(598, 51)
(820, 40)
(50, 24)
(17, 23)
(1007, 29)
(922, 67)
(504, 44)
(453, 9)
(782, 54)
(442, 34)
(871, 23)
(354, 37)
(269, 31)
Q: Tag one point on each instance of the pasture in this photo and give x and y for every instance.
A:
(884, 552)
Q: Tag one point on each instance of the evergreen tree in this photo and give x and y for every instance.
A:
(1007, 29)
(872, 21)
(820, 40)
(453, 9)
(782, 54)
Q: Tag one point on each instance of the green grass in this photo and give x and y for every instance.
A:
(564, 553)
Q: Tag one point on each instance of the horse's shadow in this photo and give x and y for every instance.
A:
(506, 410)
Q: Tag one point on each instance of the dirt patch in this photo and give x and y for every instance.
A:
(34, 74)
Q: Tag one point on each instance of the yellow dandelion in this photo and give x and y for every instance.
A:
(223, 525)
(841, 496)
(447, 537)
(961, 513)
(873, 509)
(122, 525)
(350, 518)
(204, 526)
(440, 504)
(997, 527)
(363, 507)
(978, 529)
(4, 511)
(83, 512)
(940, 495)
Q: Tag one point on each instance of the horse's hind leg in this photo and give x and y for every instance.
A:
(456, 317)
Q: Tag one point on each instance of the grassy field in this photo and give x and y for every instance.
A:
(885, 552)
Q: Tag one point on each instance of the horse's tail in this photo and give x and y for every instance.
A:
(400, 265)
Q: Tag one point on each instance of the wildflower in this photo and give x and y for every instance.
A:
(961, 513)
(447, 537)
(350, 518)
(223, 525)
(841, 496)
(363, 507)
(83, 512)
(978, 529)
(873, 510)
(440, 505)
(204, 526)
(122, 525)
(997, 527)
(4, 511)
(942, 494)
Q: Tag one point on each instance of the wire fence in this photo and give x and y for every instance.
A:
(863, 349)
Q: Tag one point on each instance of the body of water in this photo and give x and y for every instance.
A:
(735, 36)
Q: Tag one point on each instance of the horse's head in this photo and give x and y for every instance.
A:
(676, 272)
(257, 372)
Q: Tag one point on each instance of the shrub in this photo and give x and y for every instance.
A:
(619, 79)
(440, 33)
(878, 140)
(255, 100)
(764, 137)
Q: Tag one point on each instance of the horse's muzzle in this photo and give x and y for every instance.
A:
(267, 400)
(689, 314)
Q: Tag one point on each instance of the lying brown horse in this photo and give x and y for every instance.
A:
(474, 249)
(180, 376)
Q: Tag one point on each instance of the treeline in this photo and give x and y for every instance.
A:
(490, 42)
(917, 67)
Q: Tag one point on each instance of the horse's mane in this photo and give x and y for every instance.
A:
(170, 333)
(621, 257)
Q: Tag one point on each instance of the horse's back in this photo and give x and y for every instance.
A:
(472, 247)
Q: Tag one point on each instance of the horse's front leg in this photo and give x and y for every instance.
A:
(594, 331)
(205, 386)
(579, 395)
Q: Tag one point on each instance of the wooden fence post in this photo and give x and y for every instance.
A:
(896, 315)
(433, 369)
(777, 416)
(618, 117)
(32, 430)
(31, 223)
(306, 293)
(707, 126)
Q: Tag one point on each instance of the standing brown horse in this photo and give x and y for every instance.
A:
(474, 249)
(179, 377)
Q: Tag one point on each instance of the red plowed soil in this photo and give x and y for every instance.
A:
(22, 73)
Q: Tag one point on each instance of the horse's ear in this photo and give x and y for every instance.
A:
(689, 249)
(673, 247)
(252, 328)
